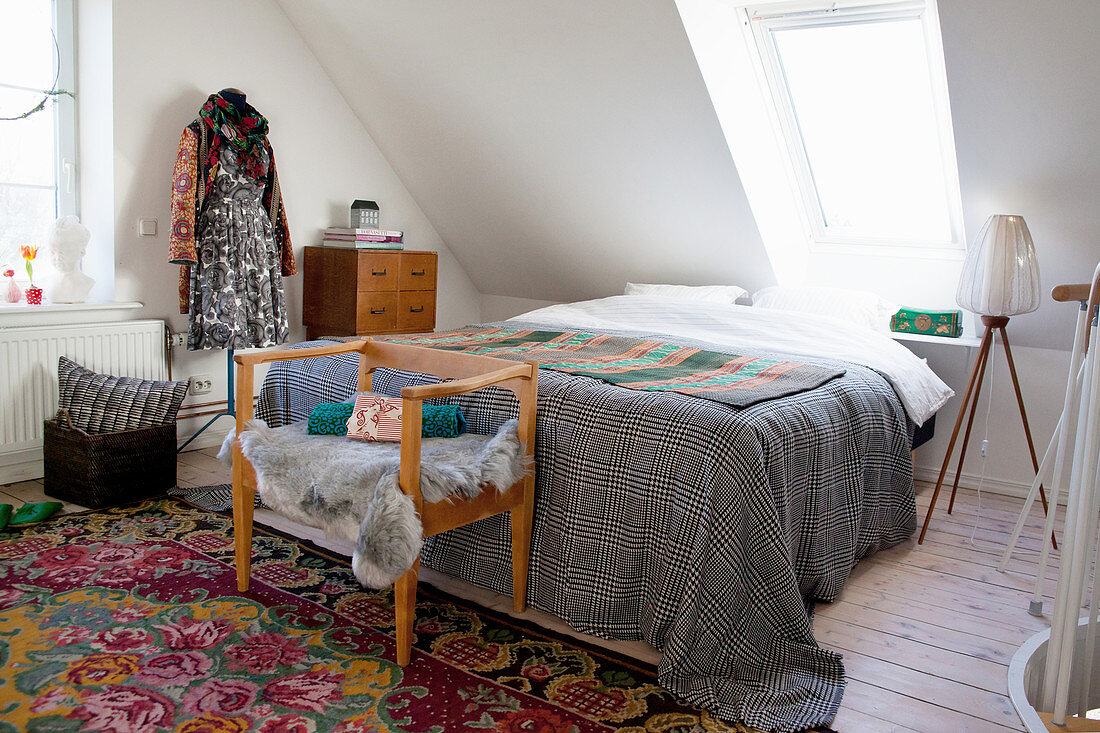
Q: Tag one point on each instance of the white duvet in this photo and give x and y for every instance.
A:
(736, 327)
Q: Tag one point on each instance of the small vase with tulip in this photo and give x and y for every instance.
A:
(12, 293)
(33, 293)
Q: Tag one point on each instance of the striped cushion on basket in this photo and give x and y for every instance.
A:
(101, 403)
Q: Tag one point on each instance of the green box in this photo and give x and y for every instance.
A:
(930, 323)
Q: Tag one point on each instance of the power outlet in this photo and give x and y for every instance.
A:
(177, 340)
(200, 384)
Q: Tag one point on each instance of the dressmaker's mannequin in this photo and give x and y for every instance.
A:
(235, 97)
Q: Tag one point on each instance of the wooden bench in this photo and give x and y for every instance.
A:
(470, 373)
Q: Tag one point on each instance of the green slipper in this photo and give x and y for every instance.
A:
(5, 515)
(29, 514)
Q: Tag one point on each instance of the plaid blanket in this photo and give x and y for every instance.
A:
(739, 381)
(704, 530)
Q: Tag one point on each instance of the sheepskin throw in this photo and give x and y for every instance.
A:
(349, 489)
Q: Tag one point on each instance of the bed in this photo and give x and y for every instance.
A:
(707, 531)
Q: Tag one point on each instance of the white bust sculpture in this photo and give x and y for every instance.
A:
(68, 242)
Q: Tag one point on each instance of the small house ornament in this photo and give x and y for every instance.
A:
(364, 215)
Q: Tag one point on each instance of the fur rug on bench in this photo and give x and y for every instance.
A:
(350, 489)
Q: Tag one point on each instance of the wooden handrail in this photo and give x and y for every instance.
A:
(470, 384)
(1068, 293)
(1094, 299)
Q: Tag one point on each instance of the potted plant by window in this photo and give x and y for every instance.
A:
(33, 293)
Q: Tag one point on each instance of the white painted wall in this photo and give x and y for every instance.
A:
(1007, 465)
(1024, 94)
(167, 58)
(560, 148)
(502, 307)
(1025, 98)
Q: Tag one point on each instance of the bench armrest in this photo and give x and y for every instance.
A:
(263, 357)
(470, 384)
(412, 418)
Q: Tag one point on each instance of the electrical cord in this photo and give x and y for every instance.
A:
(989, 547)
(985, 439)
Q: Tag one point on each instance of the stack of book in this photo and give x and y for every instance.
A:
(363, 238)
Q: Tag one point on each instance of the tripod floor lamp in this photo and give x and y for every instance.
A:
(1000, 279)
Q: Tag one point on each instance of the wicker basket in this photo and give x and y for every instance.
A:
(106, 469)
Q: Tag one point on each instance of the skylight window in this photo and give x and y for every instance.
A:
(860, 100)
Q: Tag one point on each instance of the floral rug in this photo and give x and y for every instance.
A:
(128, 620)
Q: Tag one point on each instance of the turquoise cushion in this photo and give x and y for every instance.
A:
(330, 418)
(443, 421)
(440, 421)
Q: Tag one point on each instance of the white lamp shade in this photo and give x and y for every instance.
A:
(1000, 276)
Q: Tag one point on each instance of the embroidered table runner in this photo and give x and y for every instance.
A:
(738, 381)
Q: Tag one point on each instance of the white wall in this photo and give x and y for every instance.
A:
(1007, 464)
(167, 58)
(501, 307)
(560, 148)
(1024, 84)
(1024, 88)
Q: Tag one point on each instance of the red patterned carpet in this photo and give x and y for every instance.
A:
(128, 620)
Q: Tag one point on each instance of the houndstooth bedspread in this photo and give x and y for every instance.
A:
(703, 530)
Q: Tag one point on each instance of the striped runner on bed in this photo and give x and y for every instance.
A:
(738, 381)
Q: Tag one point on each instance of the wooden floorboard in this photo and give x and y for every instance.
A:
(926, 631)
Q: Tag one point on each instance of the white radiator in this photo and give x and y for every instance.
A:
(28, 378)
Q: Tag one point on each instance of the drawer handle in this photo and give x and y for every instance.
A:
(376, 272)
(418, 272)
(378, 312)
(416, 310)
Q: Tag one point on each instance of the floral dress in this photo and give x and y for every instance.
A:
(237, 298)
(229, 234)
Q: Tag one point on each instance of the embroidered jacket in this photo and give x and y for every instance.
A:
(189, 190)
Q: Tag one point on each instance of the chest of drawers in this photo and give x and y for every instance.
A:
(352, 292)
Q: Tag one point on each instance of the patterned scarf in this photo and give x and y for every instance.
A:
(247, 133)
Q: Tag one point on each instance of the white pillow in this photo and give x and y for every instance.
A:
(725, 294)
(855, 306)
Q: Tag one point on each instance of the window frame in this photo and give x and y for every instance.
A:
(65, 134)
(760, 20)
(65, 121)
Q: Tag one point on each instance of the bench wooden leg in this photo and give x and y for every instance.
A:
(404, 606)
(521, 555)
(244, 501)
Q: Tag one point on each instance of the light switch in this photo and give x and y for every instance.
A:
(147, 227)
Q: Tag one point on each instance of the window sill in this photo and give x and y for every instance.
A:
(13, 315)
(890, 251)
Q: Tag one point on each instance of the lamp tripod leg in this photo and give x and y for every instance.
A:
(969, 425)
(983, 354)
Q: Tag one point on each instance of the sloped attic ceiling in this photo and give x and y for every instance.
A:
(559, 148)
(562, 147)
